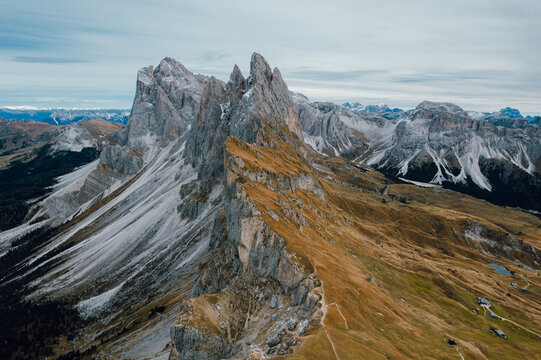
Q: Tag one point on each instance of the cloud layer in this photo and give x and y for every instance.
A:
(481, 55)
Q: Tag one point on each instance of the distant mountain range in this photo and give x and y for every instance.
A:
(488, 155)
(382, 110)
(506, 117)
(63, 116)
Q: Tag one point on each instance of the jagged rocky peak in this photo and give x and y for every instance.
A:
(167, 100)
(272, 100)
(512, 113)
(236, 85)
(170, 98)
(240, 108)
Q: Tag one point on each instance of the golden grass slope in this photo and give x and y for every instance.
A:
(399, 276)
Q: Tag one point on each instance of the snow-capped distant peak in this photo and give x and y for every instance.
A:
(24, 108)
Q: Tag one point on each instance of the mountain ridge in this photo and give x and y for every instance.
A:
(61, 116)
(212, 228)
(439, 143)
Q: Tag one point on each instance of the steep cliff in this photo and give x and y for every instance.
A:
(247, 259)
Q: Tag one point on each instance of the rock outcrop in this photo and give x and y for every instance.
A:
(167, 100)
(324, 128)
(250, 283)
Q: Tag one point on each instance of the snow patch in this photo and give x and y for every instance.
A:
(78, 174)
(419, 183)
(74, 137)
(91, 306)
(8, 236)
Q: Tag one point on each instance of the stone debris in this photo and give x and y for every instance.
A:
(275, 301)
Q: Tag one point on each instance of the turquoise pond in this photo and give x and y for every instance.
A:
(500, 269)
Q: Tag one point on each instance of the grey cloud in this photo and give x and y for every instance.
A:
(451, 76)
(212, 56)
(47, 60)
(476, 53)
(322, 75)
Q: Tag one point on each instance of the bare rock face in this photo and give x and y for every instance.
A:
(124, 163)
(444, 135)
(241, 108)
(234, 309)
(208, 134)
(325, 131)
(267, 101)
(272, 101)
(251, 292)
(236, 86)
(197, 343)
(167, 100)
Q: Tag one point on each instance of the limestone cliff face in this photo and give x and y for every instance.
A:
(271, 98)
(251, 295)
(324, 128)
(167, 100)
(241, 108)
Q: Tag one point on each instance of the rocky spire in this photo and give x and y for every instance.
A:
(167, 100)
(236, 85)
(240, 108)
(205, 143)
(260, 70)
(271, 97)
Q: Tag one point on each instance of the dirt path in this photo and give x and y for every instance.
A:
(324, 309)
(514, 323)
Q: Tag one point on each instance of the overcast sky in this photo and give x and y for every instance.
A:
(482, 54)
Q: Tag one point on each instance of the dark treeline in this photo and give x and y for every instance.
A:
(24, 181)
(29, 330)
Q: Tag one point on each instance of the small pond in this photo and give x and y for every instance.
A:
(500, 269)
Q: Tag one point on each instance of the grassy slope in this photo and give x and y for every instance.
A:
(401, 273)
